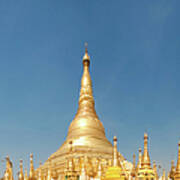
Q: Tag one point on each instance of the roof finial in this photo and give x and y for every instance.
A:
(86, 56)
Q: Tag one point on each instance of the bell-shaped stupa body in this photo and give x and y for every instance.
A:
(86, 130)
(86, 134)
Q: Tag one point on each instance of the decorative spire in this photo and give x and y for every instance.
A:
(8, 173)
(155, 170)
(115, 152)
(31, 172)
(133, 172)
(86, 100)
(49, 175)
(146, 159)
(139, 160)
(26, 175)
(164, 175)
(21, 175)
(173, 169)
(178, 161)
(40, 172)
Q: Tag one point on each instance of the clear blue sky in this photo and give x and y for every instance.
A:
(135, 68)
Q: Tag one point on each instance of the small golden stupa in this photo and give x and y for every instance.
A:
(115, 171)
(145, 171)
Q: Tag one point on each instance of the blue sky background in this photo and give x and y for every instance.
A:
(135, 61)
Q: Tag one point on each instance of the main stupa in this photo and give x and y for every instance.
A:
(86, 139)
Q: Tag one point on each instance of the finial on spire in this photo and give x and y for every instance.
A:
(86, 56)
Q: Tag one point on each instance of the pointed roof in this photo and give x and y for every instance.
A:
(31, 170)
(133, 171)
(146, 163)
(139, 160)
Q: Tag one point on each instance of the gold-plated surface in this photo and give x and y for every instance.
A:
(86, 140)
(31, 171)
(144, 169)
(139, 160)
(146, 163)
(87, 154)
(9, 172)
(115, 171)
(172, 171)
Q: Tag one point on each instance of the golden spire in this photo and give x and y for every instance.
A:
(21, 175)
(133, 172)
(26, 175)
(49, 175)
(139, 160)
(31, 172)
(155, 170)
(8, 173)
(115, 152)
(146, 159)
(86, 100)
(40, 172)
(164, 175)
(173, 169)
(178, 161)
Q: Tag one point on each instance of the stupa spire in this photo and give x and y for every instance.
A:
(21, 175)
(133, 171)
(139, 159)
(146, 159)
(155, 170)
(31, 172)
(115, 152)
(86, 100)
(26, 175)
(173, 169)
(40, 172)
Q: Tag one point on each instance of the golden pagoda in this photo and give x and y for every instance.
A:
(86, 144)
(115, 172)
(145, 171)
(86, 154)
